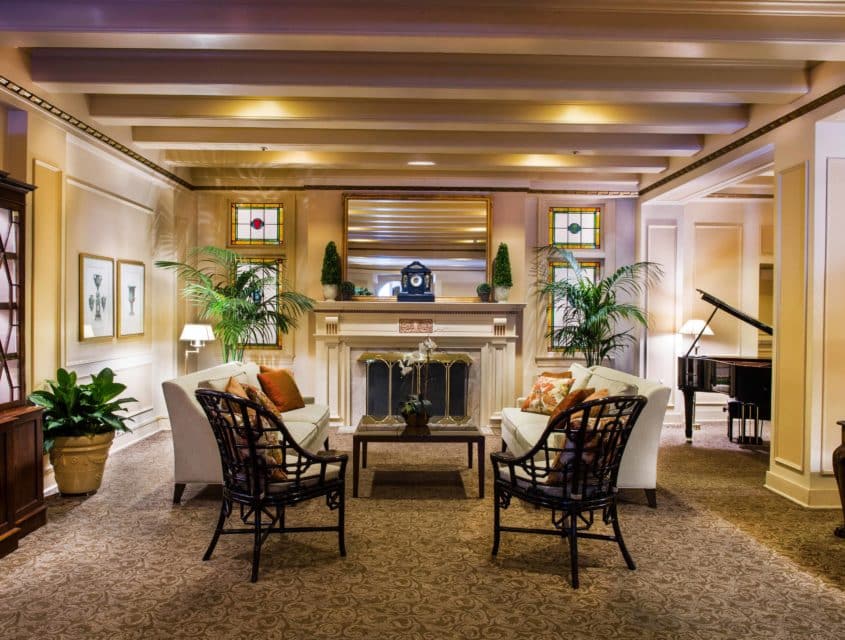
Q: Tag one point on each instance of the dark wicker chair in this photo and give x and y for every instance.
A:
(572, 471)
(265, 471)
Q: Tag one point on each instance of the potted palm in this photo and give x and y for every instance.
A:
(588, 312)
(330, 275)
(232, 292)
(79, 424)
(502, 279)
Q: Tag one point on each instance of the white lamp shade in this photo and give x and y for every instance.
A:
(694, 326)
(197, 333)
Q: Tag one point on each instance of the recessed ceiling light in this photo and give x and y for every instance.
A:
(421, 163)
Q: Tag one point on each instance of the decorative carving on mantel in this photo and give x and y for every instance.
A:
(422, 325)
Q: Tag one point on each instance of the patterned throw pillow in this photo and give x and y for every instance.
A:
(259, 397)
(546, 394)
(588, 456)
(280, 387)
(271, 437)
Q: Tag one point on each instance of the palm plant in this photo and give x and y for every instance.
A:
(231, 292)
(587, 312)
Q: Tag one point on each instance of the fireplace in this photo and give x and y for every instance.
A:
(484, 337)
(443, 380)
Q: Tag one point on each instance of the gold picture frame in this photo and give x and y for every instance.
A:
(96, 297)
(131, 298)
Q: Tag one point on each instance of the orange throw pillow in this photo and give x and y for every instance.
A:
(597, 395)
(236, 388)
(574, 397)
(280, 387)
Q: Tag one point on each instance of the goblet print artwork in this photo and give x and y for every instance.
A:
(132, 299)
(97, 301)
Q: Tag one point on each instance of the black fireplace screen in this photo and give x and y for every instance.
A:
(443, 380)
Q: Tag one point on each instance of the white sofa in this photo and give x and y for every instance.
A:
(195, 454)
(521, 430)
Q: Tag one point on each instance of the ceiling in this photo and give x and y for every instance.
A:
(596, 95)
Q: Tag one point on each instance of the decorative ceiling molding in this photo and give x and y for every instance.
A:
(83, 127)
(749, 137)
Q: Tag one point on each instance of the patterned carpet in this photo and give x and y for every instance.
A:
(720, 558)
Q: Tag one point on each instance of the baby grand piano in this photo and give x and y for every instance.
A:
(748, 381)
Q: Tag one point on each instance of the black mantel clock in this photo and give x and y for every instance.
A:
(416, 284)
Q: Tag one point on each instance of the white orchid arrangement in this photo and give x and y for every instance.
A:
(417, 403)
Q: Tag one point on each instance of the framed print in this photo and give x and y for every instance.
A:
(96, 297)
(131, 298)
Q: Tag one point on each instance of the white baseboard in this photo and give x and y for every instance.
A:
(122, 441)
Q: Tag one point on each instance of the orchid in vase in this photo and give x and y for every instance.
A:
(416, 410)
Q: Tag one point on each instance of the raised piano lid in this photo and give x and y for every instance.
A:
(736, 313)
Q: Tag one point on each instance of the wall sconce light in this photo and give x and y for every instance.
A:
(698, 328)
(197, 335)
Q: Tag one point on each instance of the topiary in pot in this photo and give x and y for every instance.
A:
(331, 273)
(483, 290)
(502, 279)
(347, 290)
(79, 425)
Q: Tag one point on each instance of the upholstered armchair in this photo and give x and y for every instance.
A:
(572, 471)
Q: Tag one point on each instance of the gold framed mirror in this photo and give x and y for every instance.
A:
(448, 234)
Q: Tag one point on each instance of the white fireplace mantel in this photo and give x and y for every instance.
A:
(488, 331)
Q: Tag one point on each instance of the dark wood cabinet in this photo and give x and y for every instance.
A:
(22, 506)
(21, 459)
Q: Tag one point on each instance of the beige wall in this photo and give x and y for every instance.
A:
(712, 245)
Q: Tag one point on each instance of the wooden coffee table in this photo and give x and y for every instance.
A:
(367, 433)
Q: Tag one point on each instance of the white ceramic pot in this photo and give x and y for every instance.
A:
(330, 291)
(502, 293)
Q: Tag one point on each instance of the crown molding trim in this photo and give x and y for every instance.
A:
(803, 110)
(83, 127)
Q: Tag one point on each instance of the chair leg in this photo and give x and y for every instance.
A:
(341, 523)
(217, 530)
(651, 496)
(256, 546)
(178, 490)
(617, 532)
(496, 520)
(573, 548)
(504, 445)
(326, 444)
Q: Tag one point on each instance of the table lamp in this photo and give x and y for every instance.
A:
(696, 327)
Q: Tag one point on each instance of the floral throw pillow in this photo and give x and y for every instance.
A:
(546, 394)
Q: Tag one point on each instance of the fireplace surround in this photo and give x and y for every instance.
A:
(486, 334)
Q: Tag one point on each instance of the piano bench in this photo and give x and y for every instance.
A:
(743, 411)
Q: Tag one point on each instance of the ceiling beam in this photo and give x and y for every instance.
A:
(154, 110)
(243, 138)
(468, 161)
(762, 30)
(492, 77)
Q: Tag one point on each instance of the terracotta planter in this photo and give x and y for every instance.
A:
(79, 462)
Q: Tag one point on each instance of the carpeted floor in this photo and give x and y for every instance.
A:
(720, 558)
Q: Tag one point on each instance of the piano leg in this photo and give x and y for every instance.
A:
(689, 411)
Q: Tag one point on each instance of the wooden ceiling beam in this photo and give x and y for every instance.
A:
(444, 115)
(491, 77)
(242, 138)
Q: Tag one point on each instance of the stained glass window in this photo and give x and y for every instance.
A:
(257, 224)
(562, 271)
(575, 227)
(270, 271)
